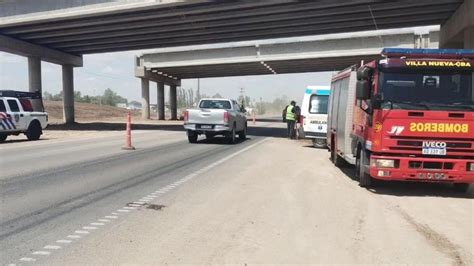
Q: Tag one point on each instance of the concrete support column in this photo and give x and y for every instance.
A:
(68, 94)
(173, 103)
(34, 80)
(469, 38)
(145, 98)
(160, 100)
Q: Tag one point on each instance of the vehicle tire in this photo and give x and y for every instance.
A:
(192, 137)
(243, 133)
(365, 180)
(3, 137)
(319, 143)
(461, 187)
(231, 136)
(34, 131)
(338, 162)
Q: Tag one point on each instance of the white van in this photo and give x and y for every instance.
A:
(314, 115)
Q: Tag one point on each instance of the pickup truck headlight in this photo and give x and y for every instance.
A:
(470, 167)
(383, 163)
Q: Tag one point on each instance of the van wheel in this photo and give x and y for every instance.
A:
(3, 137)
(319, 143)
(192, 137)
(461, 187)
(365, 180)
(338, 162)
(34, 131)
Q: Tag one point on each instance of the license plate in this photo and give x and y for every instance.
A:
(434, 151)
(206, 126)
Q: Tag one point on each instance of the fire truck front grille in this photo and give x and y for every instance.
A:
(462, 145)
(430, 165)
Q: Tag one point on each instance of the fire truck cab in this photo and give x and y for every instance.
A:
(408, 116)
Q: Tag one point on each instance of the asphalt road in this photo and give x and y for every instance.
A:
(84, 200)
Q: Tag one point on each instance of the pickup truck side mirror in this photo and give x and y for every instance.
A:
(363, 90)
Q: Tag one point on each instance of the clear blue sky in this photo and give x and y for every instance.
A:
(115, 71)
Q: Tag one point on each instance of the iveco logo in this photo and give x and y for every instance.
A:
(434, 144)
(396, 130)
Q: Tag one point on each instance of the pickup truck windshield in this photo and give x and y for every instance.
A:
(318, 104)
(427, 90)
(215, 104)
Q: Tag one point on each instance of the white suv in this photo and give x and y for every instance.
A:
(17, 115)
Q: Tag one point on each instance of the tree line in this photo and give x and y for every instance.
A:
(109, 97)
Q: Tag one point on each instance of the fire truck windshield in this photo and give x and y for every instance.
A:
(427, 90)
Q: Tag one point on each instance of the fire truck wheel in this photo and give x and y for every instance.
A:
(3, 137)
(34, 131)
(365, 180)
(461, 187)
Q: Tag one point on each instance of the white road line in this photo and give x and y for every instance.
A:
(74, 236)
(135, 205)
(27, 259)
(123, 210)
(104, 220)
(129, 208)
(63, 241)
(82, 232)
(89, 228)
(114, 213)
(51, 247)
(111, 217)
(97, 223)
(138, 202)
(145, 200)
(42, 253)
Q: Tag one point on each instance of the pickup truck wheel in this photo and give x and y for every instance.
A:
(192, 137)
(461, 187)
(231, 136)
(365, 180)
(3, 137)
(243, 133)
(34, 131)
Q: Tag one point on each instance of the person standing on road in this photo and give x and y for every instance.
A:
(291, 119)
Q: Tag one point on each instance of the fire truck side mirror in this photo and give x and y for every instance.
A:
(363, 90)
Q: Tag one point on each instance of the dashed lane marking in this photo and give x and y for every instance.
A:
(27, 259)
(41, 253)
(104, 220)
(82, 232)
(63, 241)
(97, 224)
(89, 228)
(111, 217)
(74, 236)
(52, 247)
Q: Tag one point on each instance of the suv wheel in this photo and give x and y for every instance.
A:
(34, 131)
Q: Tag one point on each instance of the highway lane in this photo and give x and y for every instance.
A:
(48, 190)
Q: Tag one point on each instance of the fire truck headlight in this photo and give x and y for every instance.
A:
(384, 163)
(470, 167)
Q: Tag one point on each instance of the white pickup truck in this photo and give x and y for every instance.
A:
(216, 117)
(17, 115)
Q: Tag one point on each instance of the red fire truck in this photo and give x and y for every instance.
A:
(408, 116)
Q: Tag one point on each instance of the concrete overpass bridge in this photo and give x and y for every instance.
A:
(329, 52)
(61, 32)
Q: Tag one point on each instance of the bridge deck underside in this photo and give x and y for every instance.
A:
(203, 22)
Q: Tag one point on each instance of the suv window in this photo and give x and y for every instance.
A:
(2, 106)
(13, 106)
